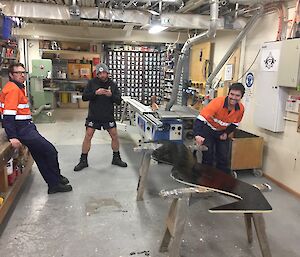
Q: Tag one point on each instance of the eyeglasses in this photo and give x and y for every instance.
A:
(20, 72)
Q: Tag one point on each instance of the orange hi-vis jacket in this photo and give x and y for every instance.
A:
(14, 107)
(217, 116)
(14, 102)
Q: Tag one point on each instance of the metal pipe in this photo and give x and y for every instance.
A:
(232, 48)
(171, 2)
(40, 109)
(211, 32)
(192, 5)
(251, 2)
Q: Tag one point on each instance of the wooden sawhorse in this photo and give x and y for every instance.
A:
(177, 217)
(147, 149)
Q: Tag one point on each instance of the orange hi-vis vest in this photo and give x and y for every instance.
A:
(217, 116)
(14, 102)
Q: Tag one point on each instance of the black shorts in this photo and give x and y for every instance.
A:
(99, 125)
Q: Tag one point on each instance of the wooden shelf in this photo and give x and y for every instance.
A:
(68, 52)
(10, 195)
(9, 192)
(73, 81)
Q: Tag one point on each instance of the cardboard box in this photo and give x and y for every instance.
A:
(83, 104)
(79, 71)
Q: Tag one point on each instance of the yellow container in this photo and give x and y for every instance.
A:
(64, 98)
(1, 200)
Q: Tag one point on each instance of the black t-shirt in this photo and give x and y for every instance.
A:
(101, 107)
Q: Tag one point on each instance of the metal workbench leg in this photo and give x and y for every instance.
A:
(143, 171)
(248, 223)
(260, 228)
(124, 112)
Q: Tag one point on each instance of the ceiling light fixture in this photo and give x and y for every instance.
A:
(157, 29)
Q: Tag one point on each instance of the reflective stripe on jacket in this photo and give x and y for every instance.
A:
(14, 102)
(217, 116)
(14, 107)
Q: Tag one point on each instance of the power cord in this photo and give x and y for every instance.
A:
(250, 65)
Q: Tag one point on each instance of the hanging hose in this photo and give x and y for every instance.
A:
(294, 20)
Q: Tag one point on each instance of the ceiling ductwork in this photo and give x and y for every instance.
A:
(178, 3)
(211, 32)
(232, 48)
(93, 14)
(251, 2)
(192, 5)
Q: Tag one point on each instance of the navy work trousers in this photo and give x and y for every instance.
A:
(42, 151)
(218, 150)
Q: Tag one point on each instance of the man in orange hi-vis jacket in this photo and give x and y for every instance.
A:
(18, 125)
(215, 122)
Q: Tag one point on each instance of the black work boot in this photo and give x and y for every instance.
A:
(60, 188)
(82, 163)
(117, 160)
(63, 180)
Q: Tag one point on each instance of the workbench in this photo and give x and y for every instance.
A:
(24, 160)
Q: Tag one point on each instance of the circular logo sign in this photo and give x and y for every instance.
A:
(249, 79)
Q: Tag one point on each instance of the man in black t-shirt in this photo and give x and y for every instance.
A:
(102, 93)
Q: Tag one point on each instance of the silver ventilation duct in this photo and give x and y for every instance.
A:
(211, 32)
(232, 48)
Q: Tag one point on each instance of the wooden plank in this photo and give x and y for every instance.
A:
(3, 179)
(259, 224)
(248, 217)
(171, 216)
(144, 168)
(6, 151)
(200, 54)
(235, 61)
(188, 171)
(10, 196)
(179, 224)
(165, 242)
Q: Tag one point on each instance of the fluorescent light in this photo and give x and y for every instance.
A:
(156, 29)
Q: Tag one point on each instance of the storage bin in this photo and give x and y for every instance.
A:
(246, 152)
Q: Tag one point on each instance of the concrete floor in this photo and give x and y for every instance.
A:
(102, 218)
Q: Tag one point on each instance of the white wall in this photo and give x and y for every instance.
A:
(222, 43)
(33, 52)
(282, 150)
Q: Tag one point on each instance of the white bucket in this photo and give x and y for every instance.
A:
(9, 167)
(74, 98)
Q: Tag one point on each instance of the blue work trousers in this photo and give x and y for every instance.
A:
(42, 151)
(218, 150)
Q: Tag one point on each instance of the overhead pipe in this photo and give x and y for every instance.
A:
(232, 48)
(179, 3)
(251, 2)
(211, 32)
(192, 5)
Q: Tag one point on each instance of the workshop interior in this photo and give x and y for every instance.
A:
(171, 60)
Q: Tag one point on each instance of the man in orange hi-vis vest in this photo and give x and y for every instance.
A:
(215, 122)
(18, 125)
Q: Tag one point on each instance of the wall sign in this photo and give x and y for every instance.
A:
(249, 79)
(270, 59)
